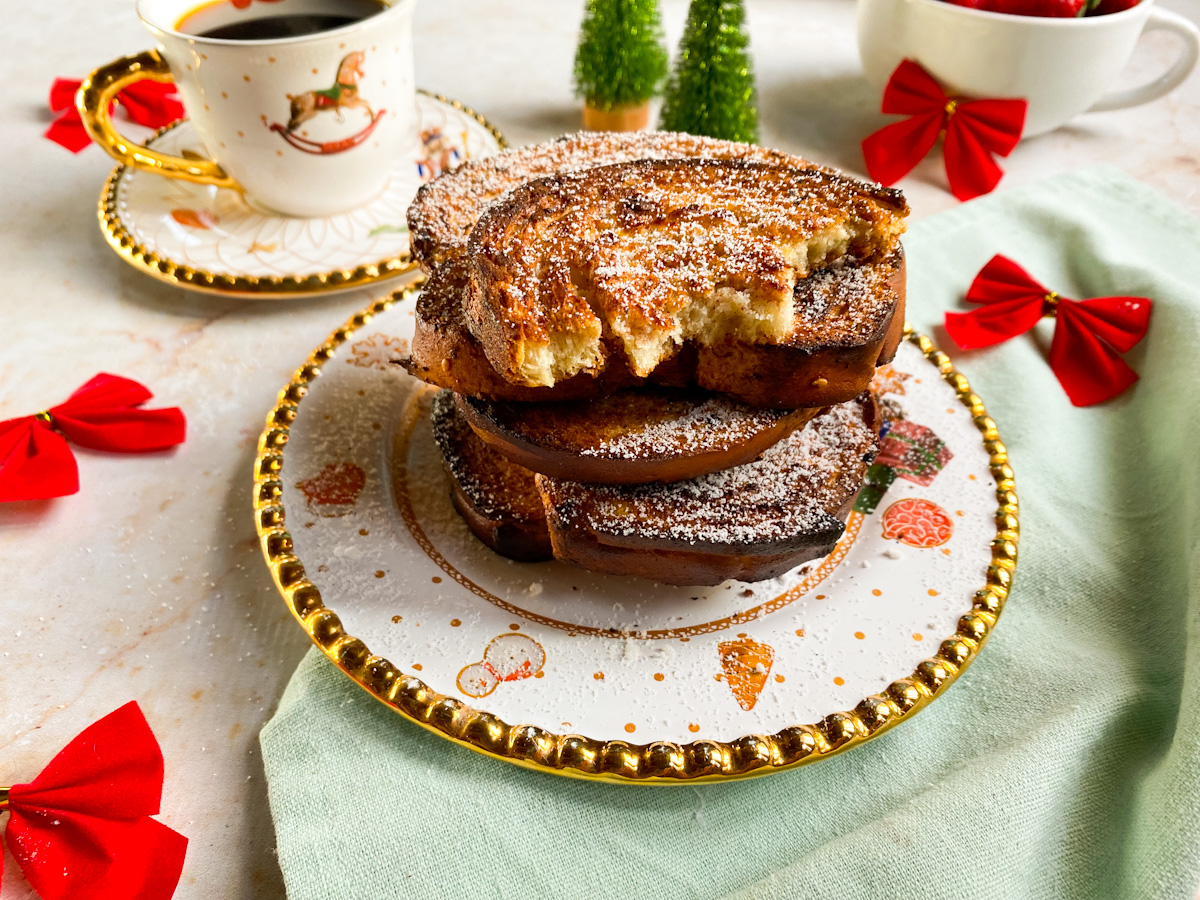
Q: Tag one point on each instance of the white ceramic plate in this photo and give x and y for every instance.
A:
(621, 659)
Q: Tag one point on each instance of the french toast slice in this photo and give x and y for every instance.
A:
(749, 523)
(638, 436)
(443, 352)
(445, 210)
(496, 498)
(848, 320)
(658, 253)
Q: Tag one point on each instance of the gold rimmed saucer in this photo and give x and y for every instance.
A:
(618, 679)
(209, 239)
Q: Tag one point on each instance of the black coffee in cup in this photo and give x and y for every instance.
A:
(224, 21)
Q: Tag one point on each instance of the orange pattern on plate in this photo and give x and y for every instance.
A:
(917, 522)
(746, 663)
(334, 490)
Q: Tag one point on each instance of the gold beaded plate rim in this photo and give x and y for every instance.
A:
(261, 287)
(574, 755)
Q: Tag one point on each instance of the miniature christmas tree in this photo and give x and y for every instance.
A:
(712, 89)
(620, 64)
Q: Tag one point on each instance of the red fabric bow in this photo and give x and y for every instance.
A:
(1088, 334)
(35, 460)
(82, 829)
(150, 103)
(975, 131)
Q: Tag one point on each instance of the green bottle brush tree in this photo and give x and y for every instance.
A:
(620, 64)
(712, 90)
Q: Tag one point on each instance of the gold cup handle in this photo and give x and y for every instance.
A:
(97, 94)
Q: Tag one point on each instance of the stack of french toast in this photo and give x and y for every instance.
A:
(655, 350)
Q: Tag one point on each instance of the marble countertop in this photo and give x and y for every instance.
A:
(149, 583)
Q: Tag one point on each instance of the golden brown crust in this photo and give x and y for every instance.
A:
(447, 208)
(640, 257)
(496, 498)
(446, 354)
(637, 436)
(750, 523)
(847, 323)
(861, 328)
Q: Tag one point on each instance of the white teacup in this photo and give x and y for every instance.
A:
(1062, 67)
(304, 126)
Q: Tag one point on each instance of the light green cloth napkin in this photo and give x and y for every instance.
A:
(1064, 764)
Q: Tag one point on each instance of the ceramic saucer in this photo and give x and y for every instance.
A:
(621, 679)
(208, 239)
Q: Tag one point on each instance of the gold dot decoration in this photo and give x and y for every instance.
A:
(859, 635)
(363, 531)
(799, 632)
(454, 623)
(436, 579)
(932, 592)
(693, 727)
(659, 676)
(839, 681)
(514, 627)
(379, 573)
(599, 676)
(917, 636)
(417, 666)
(397, 619)
(630, 727)
(877, 592)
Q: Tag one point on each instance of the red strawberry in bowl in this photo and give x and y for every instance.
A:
(1061, 9)
(1104, 7)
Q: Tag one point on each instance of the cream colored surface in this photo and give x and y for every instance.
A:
(149, 584)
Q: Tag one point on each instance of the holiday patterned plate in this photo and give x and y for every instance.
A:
(209, 239)
(615, 678)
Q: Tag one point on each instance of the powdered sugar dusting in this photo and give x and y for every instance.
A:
(446, 209)
(668, 250)
(795, 489)
(495, 487)
(638, 424)
(713, 424)
(846, 303)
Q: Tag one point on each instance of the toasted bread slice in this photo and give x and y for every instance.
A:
(751, 522)
(657, 253)
(496, 498)
(637, 436)
(848, 320)
(447, 208)
(445, 353)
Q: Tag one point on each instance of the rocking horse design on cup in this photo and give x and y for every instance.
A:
(234, 90)
(343, 95)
